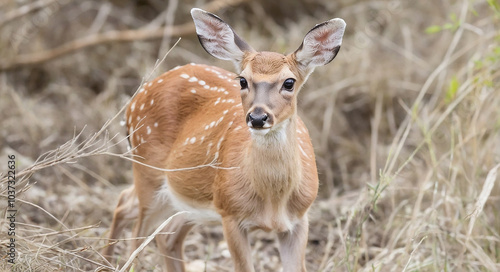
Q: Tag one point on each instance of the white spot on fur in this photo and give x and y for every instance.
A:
(193, 79)
(193, 91)
(156, 124)
(142, 107)
(185, 76)
(206, 87)
(207, 127)
(226, 92)
(208, 149)
(220, 120)
(202, 138)
(176, 67)
(138, 118)
(150, 84)
(152, 101)
(225, 112)
(201, 82)
(193, 140)
(237, 128)
(212, 124)
(234, 85)
(141, 90)
(130, 119)
(132, 107)
(148, 130)
(220, 142)
(122, 123)
(160, 80)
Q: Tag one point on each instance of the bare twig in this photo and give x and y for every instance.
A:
(93, 40)
(24, 10)
(147, 241)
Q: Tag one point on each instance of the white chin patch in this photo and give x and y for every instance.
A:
(259, 132)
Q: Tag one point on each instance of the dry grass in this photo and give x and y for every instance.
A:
(405, 124)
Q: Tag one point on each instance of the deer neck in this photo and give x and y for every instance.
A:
(273, 161)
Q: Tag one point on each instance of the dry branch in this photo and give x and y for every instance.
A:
(110, 37)
(24, 10)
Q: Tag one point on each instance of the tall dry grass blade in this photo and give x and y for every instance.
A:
(328, 248)
(413, 251)
(481, 200)
(478, 208)
(375, 123)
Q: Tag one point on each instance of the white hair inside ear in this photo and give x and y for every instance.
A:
(217, 37)
(321, 44)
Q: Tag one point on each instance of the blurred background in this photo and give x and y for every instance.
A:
(404, 123)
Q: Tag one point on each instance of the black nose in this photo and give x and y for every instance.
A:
(257, 118)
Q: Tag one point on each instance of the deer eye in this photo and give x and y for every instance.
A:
(243, 83)
(288, 84)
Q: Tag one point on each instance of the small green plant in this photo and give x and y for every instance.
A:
(453, 25)
(452, 90)
(495, 5)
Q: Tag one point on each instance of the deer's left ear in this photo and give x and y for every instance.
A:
(321, 44)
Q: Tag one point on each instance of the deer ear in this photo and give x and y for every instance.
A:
(321, 44)
(217, 37)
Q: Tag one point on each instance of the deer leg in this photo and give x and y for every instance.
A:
(293, 246)
(171, 242)
(239, 247)
(151, 211)
(125, 212)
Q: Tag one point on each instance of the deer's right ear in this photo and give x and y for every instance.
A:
(218, 38)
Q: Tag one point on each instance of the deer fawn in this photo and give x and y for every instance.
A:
(265, 174)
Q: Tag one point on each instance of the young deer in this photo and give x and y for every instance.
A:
(265, 175)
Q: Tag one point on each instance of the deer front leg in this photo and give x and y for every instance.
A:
(293, 247)
(239, 247)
